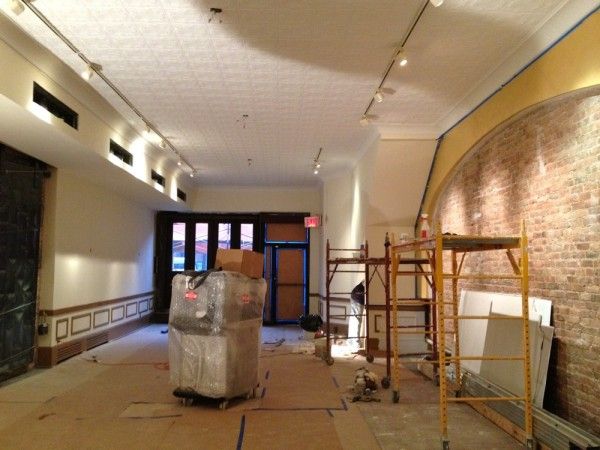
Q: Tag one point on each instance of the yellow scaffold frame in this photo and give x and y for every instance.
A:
(461, 246)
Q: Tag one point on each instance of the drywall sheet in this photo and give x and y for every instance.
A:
(472, 332)
(540, 310)
(504, 338)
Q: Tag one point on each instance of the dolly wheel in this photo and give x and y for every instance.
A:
(395, 397)
(370, 358)
(385, 382)
(445, 445)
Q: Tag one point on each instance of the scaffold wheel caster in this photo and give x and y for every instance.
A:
(329, 361)
(370, 358)
(445, 445)
(385, 382)
(395, 397)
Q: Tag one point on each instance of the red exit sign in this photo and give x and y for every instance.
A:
(312, 222)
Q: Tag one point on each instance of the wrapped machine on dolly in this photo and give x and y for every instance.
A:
(214, 334)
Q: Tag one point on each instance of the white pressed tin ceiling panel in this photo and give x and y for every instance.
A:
(302, 70)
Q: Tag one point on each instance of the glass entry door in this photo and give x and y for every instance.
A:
(285, 271)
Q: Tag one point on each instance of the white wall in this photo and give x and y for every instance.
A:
(96, 246)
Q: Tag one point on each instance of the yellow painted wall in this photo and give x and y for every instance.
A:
(570, 65)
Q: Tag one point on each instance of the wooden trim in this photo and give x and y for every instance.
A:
(112, 310)
(80, 316)
(71, 309)
(376, 317)
(66, 319)
(107, 318)
(47, 356)
(127, 309)
(140, 306)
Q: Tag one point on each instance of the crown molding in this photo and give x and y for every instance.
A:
(556, 26)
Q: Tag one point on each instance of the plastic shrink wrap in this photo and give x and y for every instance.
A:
(214, 333)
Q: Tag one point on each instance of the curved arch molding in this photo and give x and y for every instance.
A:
(570, 65)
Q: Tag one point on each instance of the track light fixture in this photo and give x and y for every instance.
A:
(378, 97)
(90, 70)
(147, 132)
(192, 174)
(16, 6)
(436, 3)
(401, 58)
(316, 162)
(162, 144)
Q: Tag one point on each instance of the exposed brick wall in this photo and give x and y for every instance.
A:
(544, 167)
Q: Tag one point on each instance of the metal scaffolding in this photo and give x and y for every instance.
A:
(442, 355)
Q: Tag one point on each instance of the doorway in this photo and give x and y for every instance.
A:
(189, 241)
(21, 197)
(286, 270)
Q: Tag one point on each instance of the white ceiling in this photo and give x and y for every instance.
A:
(302, 70)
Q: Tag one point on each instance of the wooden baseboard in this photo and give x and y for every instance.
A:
(50, 356)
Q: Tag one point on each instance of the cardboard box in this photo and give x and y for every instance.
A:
(245, 261)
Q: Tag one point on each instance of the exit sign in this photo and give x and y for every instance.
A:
(312, 222)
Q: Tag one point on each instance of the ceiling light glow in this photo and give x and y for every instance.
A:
(89, 71)
(401, 58)
(16, 7)
(436, 3)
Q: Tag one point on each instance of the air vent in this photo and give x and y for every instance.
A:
(97, 339)
(121, 153)
(157, 178)
(54, 106)
(181, 195)
(67, 350)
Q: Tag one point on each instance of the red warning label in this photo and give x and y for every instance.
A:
(245, 298)
(191, 296)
